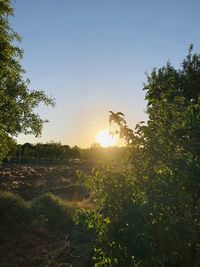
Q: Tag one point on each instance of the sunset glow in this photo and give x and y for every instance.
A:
(105, 139)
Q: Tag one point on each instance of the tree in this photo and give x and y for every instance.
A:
(75, 152)
(149, 215)
(17, 102)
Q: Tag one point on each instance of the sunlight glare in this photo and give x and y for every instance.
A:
(105, 139)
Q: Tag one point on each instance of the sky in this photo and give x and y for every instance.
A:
(92, 55)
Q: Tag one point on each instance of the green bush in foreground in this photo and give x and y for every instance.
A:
(142, 223)
(149, 216)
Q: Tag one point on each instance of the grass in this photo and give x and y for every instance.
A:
(42, 223)
(45, 211)
(13, 209)
(51, 212)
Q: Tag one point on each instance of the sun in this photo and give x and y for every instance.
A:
(105, 139)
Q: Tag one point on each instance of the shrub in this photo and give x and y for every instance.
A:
(52, 212)
(13, 210)
(142, 222)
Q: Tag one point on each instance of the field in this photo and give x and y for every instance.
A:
(37, 227)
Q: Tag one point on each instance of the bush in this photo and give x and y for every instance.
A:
(142, 222)
(13, 210)
(51, 212)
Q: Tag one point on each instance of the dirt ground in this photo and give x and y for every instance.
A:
(31, 180)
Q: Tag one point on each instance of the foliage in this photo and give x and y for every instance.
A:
(84, 229)
(46, 211)
(98, 153)
(75, 153)
(52, 151)
(13, 209)
(51, 212)
(28, 239)
(17, 102)
(55, 152)
(149, 214)
(38, 153)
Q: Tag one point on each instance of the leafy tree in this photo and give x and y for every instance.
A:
(75, 152)
(17, 102)
(66, 152)
(28, 151)
(149, 215)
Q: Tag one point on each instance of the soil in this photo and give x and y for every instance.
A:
(31, 180)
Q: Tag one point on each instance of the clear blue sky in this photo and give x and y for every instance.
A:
(91, 55)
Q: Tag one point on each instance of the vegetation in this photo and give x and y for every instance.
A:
(148, 214)
(47, 211)
(42, 232)
(51, 212)
(55, 152)
(13, 209)
(17, 101)
(44, 153)
(144, 213)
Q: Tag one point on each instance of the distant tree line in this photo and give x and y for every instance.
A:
(99, 153)
(52, 152)
(55, 152)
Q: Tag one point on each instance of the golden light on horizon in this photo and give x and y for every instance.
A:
(105, 139)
